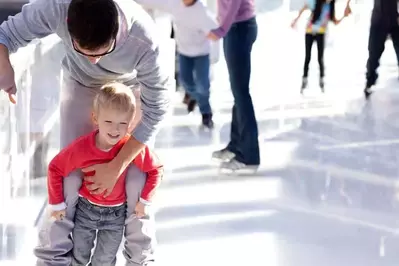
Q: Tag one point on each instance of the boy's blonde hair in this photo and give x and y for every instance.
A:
(115, 96)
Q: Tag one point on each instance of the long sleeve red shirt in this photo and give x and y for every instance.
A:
(83, 153)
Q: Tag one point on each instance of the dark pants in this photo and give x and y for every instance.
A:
(237, 46)
(377, 37)
(104, 223)
(320, 40)
(194, 76)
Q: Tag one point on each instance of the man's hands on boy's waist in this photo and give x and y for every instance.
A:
(58, 215)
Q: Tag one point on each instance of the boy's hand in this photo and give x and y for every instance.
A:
(58, 215)
(141, 209)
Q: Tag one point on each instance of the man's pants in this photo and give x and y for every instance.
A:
(237, 46)
(109, 221)
(55, 244)
(377, 37)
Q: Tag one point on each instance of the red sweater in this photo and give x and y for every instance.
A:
(83, 153)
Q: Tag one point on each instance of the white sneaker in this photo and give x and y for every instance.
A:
(223, 155)
(234, 166)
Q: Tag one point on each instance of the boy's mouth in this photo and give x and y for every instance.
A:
(113, 136)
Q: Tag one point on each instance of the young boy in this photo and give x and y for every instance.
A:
(192, 24)
(113, 113)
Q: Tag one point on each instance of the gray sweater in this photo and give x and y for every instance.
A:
(137, 57)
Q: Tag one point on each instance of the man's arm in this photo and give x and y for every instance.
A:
(156, 86)
(36, 20)
(60, 167)
(149, 163)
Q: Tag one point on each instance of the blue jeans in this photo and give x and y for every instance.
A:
(104, 223)
(237, 46)
(194, 76)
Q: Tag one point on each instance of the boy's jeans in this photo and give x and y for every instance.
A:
(55, 244)
(194, 76)
(109, 221)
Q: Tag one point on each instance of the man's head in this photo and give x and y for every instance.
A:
(93, 26)
(114, 108)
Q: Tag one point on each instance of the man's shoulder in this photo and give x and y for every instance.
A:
(142, 27)
(59, 3)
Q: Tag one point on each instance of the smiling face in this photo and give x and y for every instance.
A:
(112, 125)
(113, 113)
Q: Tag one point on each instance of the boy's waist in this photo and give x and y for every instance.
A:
(115, 199)
(194, 50)
(100, 208)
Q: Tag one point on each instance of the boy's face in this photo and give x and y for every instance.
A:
(113, 125)
(189, 2)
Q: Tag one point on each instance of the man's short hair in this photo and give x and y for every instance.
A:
(115, 96)
(93, 24)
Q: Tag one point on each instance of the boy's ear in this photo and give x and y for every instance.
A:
(132, 125)
(94, 119)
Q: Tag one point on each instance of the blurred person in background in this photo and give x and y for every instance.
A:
(322, 12)
(192, 23)
(384, 23)
(239, 30)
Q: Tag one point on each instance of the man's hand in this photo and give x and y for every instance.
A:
(141, 209)
(104, 178)
(58, 215)
(7, 76)
(212, 36)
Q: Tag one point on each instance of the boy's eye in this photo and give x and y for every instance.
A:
(123, 123)
(107, 121)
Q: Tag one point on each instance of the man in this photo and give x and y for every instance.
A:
(384, 22)
(104, 41)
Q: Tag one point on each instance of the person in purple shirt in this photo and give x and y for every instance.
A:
(239, 30)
